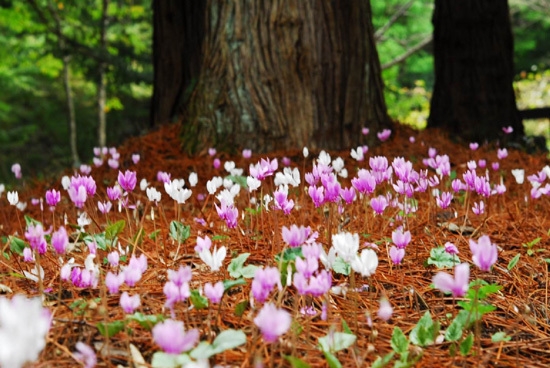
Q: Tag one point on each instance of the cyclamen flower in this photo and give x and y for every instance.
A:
(214, 259)
(272, 322)
(397, 254)
(203, 244)
(263, 169)
(128, 180)
(314, 285)
(457, 285)
(385, 310)
(348, 194)
(519, 175)
(366, 263)
(153, 195)
(295, 236)
(60, 240)
(264, 281)
(114, 281)
(247, 153)
(384, 135)
(177, 287)
(113, 258)
(346, 245)
(379, 204)
(135, 158)
(104, 207)
(451, 248)
(16, 170)
(85, 354)
(24, 326)
(13, 198)
(478, 208)
(401, 239)
(36, 236)
(129, 303)
(53, 197)
(484, 253)
(508, 129)
(170, 335)
(214, 292)
(474, 146)
(228, 213)
(443, 200)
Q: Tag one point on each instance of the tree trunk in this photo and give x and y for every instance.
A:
(178, 31)
(281, 74)
(473, 94)
(102, 83)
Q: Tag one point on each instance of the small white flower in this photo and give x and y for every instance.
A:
(324, 158)
(338, 164)
(213, 184)
(357, 154)
(21, 206)
(253, 183)
(214, 259)
(346, 245)
(305, 152)
(66, 182)
(365, 264)
(13, 198)
(143, 184)
(519, 174)
(153, 195)
(229, 166)
(83, 220)
(2, 189)
(193, 179)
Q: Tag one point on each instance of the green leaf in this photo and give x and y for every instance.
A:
(296, 362)
(500, 336)
(290, 254)
(513, 262)
(442, 259)
(340, 266)
(29, 220)
(454, 331)
(220, 237)
(236, 267)
(112, 231)
(17, 245)
(381, 362)
(198, 301)
(98, 239)
(241, 180)
(228, 284)
(226, 340)
(147, 321)
(164, 360)
(423, 333)
(110, 329)
(399, 342)
(336, 341)
(345, 327)
(332, 361)
(179, 232)
(241, 307)
(154, 234)
(466, 344)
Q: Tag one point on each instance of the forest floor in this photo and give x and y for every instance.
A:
(515, 222)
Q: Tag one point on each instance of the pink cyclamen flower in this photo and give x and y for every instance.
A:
(474, 146)
(171, 336)
(365, 131)
(384, 135)
(401, 239)
(35, 234)
(85, 354)
(272, 322)
(451, 248)
(397, 254)
(128, 180)
(444, 200)
(264, 281)
(247, 153)
(203, 244)
(60, 240)
(113, 258)
(28, 255)
(129, 303)
(16, 170)
(478, 208)
(53, 197)
(114, 281)
(164, 177)
(135, 158)
(385, 310)
(295, 236)
(216, 163)
(457, 285)
(212, 152)
(379, 204)
(214, 292)
(104, 207)
(484, 253)
(502, 153)
(508, 129)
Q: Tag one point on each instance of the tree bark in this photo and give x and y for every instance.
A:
(281, 74)
(102, 82)
(473, 94)
(178, 32)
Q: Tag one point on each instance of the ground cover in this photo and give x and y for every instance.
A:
(335, 270)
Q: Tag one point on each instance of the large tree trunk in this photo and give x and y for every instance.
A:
(178, 32)
(281, 74)
(473, 94)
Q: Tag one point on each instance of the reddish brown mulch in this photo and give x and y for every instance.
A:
(510, 221)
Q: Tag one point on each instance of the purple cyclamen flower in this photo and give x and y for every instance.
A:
(379, 204)
(484, 253)
(212, 152)
(307, 266)
(113, 258)
(203, 244)
(60, 240)
(272, 322)
(474, 146)
(135, 269)
(282, 202)
(478, 208)
(264, 168)
(247, 153)
(114, 281)
(172, 338)
(16, 170)
(401, 239)
(347, 194)
(85, 354)
(444, 200)
(264, 281)
(53, 197)
(457, 285)
(135, 158)
(495, 166)
(365, 181)
(77, 195)
(397, 254)
(216, 163)
(129, 303)
(114, 193)
(502, 153)
(128, 180)
(228, 213)
(317, 195)
(104, 207)
(214, 292)
(384, 135)
(451, 248)
(35, 234)
(164, 177)
(295, 236)
(365, 130)
(28, 255)
(315, 286)
(508, 129)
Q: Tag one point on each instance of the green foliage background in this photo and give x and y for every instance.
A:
(33, 115)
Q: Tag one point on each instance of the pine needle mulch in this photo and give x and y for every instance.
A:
(511, 221)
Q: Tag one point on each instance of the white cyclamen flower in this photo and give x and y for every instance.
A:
(24, 325)
(346, 245)
(193, 179)
(153, 195)
(214, 259)
(519, 174)
(13, 198)
(366, 263)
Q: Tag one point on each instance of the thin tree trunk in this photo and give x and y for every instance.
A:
(102, 83)
(473, 94)
(70, 109)
(281, 74)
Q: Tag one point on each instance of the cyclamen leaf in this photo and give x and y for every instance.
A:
(340, 266)
(500, 336)
(423, 333)
(454, 331)
(228, 284)
(399, 342)
(110, 329)
(17, 245)
(513, 262)
(332, 361)
(226, 340)
(147, 321)
(114, 229)
(336, 341)
(466, 345)
(441, 259)
(237, 269)
(179, 232)
(381, 362)
(164, 360)
(296, 362)
(198, 301)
